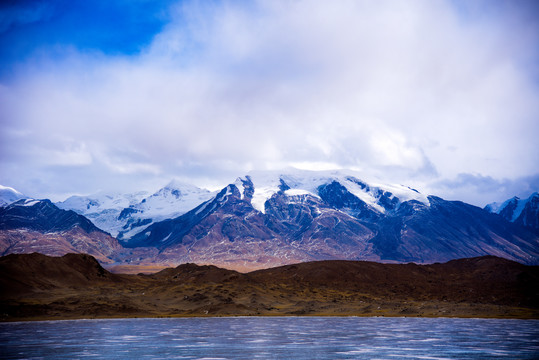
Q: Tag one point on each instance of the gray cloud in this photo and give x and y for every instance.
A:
(481, 190)
(417, 91)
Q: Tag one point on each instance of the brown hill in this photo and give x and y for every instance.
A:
(35, 286)
(476, 280)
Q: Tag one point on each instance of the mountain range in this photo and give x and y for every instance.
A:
(123, 215)
(524, 212)
(267, 219)
(29, 225)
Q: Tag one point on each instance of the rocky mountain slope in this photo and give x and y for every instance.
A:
(34, 286)
(523, 212)
(270, 219)
(30, 225)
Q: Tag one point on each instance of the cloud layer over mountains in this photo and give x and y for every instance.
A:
(439, 95)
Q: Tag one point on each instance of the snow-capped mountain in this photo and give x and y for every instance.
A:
(260, 193)
(524, 212)
(173, 200)
(267, 219)
(9, 195)
(123, 215)
(103, 209)
(375, 197)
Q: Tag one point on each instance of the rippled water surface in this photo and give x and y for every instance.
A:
(272, 338)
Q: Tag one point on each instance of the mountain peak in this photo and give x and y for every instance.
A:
(524, 212)
(381, 197)
(9, 195)
(176, 184)
(275, 217)
(42, 215)
(31, 203)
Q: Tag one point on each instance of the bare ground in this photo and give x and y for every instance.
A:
(38, 287)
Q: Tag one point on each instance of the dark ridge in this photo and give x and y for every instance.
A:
(43, 216)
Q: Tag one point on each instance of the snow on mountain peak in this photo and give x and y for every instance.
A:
(9, 195)
(512, 208)
(171, 201)
(306, 182)
(125, 214)
(29, 202)
(176, 184)
(240, 184)
(10, 189)
(88, 204)
(521, 203)
(176, 197)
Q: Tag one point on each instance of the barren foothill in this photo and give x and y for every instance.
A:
(38, 287)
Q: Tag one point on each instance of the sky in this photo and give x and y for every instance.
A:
(125, 95)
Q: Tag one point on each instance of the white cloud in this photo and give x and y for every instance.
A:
(403, 90)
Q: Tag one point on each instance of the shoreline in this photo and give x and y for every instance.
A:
(517, 314)
(36, 320)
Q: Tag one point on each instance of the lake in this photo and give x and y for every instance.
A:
(272, 338)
